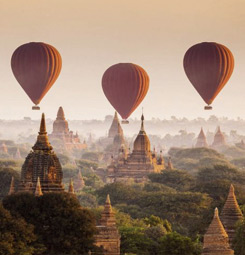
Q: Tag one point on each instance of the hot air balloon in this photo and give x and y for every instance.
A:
(36, 66)
(208, 66)
(125, 85)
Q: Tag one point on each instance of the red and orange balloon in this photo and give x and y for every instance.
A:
(125, 85)
(208, 66)
(36, 66)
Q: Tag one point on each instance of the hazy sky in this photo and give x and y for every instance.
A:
(92, 35)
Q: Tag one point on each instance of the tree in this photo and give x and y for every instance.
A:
(176, 244)
(239, 241)
(177, 179)
(61, 225)
(16, 236)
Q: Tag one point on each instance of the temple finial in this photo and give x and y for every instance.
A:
(71, 187)
(38, 191)
(43, 125)
(216, 212)
(142, 122)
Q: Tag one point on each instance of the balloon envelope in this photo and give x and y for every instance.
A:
(36, 66)
(125, 85)
(208, 66)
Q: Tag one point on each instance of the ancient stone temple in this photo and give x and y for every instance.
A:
(219, 139)
(41, 163)
(62, 138)
(231, 214)
(115, 141)
(216, 240)
(201, 140)
(78, 182)
(115, 127)
(107, 235)
(136, 165)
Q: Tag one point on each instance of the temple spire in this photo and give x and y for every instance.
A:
(142, 123)
(71, 187)
(38, 191)
(43, 126)
(216, 239)
(231, 213)
(42, 142)
(201, 140)
(170, 165)
(107, 216)
(60, 114)
(12, 188)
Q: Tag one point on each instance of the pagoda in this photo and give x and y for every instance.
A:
(216, 240)
(201, 140)
(136, 165)
(219, 139)
(41, 165)
(115, 142)
(107, 235)
(115, 127)
(62, 138)
(78, 182)
(231, 214)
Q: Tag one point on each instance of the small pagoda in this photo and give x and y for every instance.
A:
(231, 214)
(107, 235)
(115, 127)
(201, 140)
(216, 241)
(41, 165)
(219, 139)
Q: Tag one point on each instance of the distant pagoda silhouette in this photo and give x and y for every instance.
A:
(115, 127)
(201, 140)
(219, 139)
(41, 165)
(170, 164)
(231, 214)
(216, 240)
(62, 138)
(107, 233)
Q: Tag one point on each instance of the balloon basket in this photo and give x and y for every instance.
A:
(36, 107)
(125, 122)
(208, 107)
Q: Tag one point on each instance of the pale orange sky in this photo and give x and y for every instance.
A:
(92, 35)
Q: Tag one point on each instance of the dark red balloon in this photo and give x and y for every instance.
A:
(36, 66)
(208, 66)
(125, 86)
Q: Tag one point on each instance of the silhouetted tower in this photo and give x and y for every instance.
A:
(201, 140)
(219, 139)
(108, 236)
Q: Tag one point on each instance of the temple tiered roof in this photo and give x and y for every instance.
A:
(230, 214)
(201, 140)
(216, 240)
(43, 164)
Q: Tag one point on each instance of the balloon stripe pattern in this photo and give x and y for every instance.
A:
(208, 66)
(125, 85)
(36, 66)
